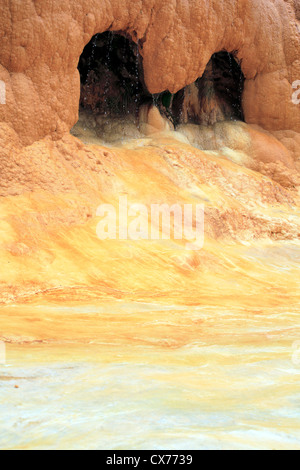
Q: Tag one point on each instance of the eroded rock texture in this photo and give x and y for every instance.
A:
(52, 182)
(41, 42)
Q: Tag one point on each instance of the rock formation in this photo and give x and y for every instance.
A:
(129, 342)
(41, 42)
(247, 173)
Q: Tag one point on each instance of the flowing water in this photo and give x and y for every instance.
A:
(223, 374)
(151, 347)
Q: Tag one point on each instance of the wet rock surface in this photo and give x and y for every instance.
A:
(134, 343)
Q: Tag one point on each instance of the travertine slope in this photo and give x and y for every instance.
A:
(51, 183)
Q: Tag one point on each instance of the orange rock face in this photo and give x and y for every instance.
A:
(52, 182)
(41, 42)
(182, 340)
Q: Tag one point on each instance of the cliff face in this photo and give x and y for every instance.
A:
(152, 341)
(41, 42)
(51, 183)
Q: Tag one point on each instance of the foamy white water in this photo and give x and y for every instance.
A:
(235, 387)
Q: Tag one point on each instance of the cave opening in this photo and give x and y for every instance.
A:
(113, 86)
(111, 73)
(214, 97)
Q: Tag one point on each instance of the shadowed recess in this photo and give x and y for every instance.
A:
(112, 84)
(111, 72)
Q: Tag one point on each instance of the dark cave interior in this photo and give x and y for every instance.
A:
(112, 84)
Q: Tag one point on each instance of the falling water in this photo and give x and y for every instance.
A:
(241, 88)
(107, 66)
(230, 62)
(115, 88)
(90, 67)
(137, 77)
(90, 63)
